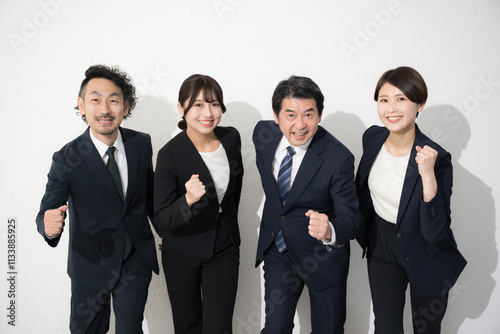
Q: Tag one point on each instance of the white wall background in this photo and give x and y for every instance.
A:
(248, 46)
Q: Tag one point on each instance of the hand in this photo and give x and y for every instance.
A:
(194, 189)
(319, 227)
(53, 220)
(426, 158)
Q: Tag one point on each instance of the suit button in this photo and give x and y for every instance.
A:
(399, 235)
(120, 241)
(272, 234)
(282, 217)
(409, 259)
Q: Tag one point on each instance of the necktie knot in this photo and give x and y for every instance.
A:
(290, 150)
(111, 152)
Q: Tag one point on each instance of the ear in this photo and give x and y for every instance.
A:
(81, 105)
(276, 120)
(180, 109)
(420, 107)
(126, 109)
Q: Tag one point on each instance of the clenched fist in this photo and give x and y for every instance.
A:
(194, 189)
(319, 227)
(53, 220)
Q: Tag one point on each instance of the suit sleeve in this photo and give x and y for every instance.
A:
(171, 208)
(57, 192)
(435, 215)
(347, 220)
(239, 179)
(150, 186)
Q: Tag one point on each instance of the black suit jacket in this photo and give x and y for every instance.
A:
(97, 217)
(324, 183)
(423, 235)
(191, 231)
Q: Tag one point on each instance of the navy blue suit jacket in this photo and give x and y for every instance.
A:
(97, 216)
(324, 183)
(423, 235)
(192, 230)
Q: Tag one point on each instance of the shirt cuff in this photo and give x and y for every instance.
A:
(334, 238)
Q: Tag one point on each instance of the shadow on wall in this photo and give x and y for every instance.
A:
(349, 129)
(473, 219)
(248, 310)
(158, 117)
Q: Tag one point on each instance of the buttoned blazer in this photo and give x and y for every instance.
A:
(423, 235)
(324, 183)
(192, 231)
(98, 217)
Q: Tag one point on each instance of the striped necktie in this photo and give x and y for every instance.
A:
(283, 182)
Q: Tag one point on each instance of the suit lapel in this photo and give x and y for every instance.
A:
(200, 167)
(308, 168)
(132, 153)
(411, 175)
(268, 158)
(370, 152)
(96, 165)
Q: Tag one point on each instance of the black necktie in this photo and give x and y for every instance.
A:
(115, 175)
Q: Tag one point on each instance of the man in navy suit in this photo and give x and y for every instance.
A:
(310, 213)
(104, 180)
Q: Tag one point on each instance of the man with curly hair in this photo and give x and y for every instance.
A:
(104, 180)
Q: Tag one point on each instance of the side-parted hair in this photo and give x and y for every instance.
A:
(407, 80)
(299, 88)
(191, 88)
(118, 77)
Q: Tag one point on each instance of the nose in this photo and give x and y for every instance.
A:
(207, 111)
(300, 124)
(105, 109)
(392, 106)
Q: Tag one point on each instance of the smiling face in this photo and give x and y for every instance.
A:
(104, 108)
(298, 120)
(396, 111)
(202, 117)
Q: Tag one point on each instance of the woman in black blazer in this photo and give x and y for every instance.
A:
(197, 190)
(404, 183)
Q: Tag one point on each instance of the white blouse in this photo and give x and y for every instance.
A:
(218, 165)
(386, 183)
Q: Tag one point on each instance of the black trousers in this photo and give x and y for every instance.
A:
(283, 287)
(202, 292)
(388, 282)
(91, 309)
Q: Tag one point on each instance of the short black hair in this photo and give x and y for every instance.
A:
(407, 80)
(299, 88)
(118, 77)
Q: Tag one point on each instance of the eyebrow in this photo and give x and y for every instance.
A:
(290, 110)
(100, 94)
(394, 95)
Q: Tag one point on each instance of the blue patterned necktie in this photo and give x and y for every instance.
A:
(115, 175)
(283, 182)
